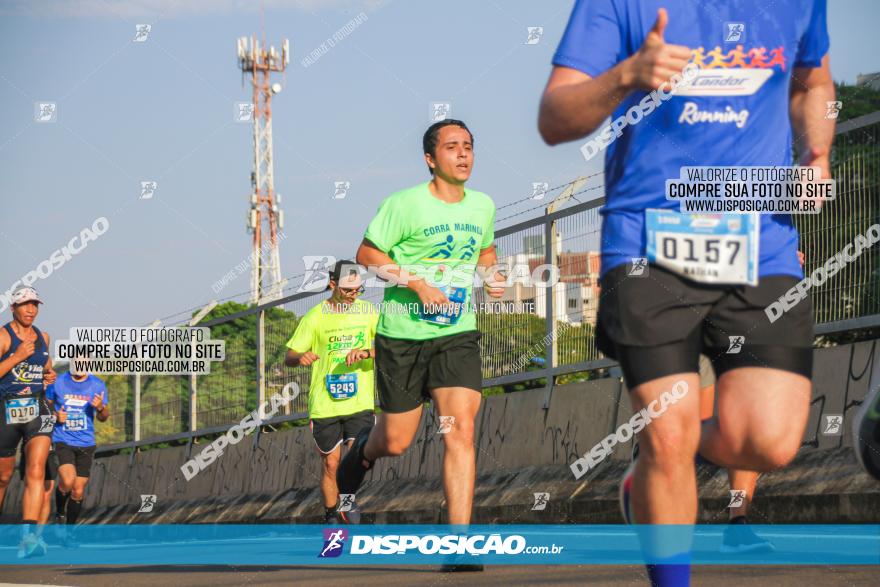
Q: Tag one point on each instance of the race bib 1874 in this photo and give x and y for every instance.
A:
(709, 248)
(75, 422)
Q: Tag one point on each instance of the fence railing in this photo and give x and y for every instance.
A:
(534, 332)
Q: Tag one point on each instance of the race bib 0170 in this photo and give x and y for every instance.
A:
(709, 248)
(342, 385)
(21, 410)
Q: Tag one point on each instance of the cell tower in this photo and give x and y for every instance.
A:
(260, 61)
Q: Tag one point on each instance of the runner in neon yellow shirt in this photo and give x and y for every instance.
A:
(336, 338)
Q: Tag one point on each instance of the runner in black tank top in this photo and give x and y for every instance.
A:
(25, 370)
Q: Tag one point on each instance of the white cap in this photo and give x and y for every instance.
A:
(25, 294)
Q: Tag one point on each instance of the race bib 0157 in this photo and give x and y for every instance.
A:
(708, 248)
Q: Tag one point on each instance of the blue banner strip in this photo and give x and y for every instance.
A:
(224, 544)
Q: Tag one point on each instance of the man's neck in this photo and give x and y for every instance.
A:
(445, 191)
(79, 378)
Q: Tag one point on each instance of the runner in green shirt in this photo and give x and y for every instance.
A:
(430, 240)
(336, 339)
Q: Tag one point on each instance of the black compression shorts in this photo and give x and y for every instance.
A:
(658, 325)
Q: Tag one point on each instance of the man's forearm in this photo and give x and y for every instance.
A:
(292, 358)
(488, 259)
(571, 112)
(387, 269)
(810, 94)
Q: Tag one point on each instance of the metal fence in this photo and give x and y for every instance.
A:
(534, 332)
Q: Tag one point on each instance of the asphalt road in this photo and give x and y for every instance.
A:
(365, 576)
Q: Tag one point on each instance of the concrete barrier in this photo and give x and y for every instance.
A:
(522, 449)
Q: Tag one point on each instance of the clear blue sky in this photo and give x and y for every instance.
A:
(162, 110)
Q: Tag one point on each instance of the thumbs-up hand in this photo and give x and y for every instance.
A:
(656, 61)
(98, 402)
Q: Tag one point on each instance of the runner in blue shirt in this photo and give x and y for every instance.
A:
(758, 80)
(77, 399)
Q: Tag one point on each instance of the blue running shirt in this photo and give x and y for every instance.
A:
(735, 115)
(76, 399)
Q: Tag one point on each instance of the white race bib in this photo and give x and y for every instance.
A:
(75, 422)
(21, 410)
(709, 248)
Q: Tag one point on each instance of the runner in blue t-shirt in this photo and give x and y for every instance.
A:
(77, 399)
(758, 80)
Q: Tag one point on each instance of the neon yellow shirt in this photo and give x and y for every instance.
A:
(331, 335)
(438, 241)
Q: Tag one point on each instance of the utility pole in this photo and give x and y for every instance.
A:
(265, 218)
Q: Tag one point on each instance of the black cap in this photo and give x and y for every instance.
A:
(336, 272)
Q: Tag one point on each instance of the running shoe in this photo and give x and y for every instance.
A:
(624, 495)
(351, 471)
(61, 528)
(29, 546)
(330, 518)
(42, 547)
(739, 538)
(866, 434)
(351, 516)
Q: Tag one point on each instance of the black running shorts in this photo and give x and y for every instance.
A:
(331, 432)
(659, 324)
(13, 434)
(81, 457)
(406, 370)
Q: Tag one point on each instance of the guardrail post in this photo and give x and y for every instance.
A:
(616, 373)
(261, 371)
(193, 387)
(549, 322)
(193, 402)
(136, 432)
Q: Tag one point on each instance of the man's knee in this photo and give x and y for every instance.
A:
(766, 447)
(395, 446)
(331, 463)
(460, 435)
(773, 452)
(5, 478)
(670, 444)
(35, 475)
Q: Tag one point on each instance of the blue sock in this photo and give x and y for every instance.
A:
(675, 573)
